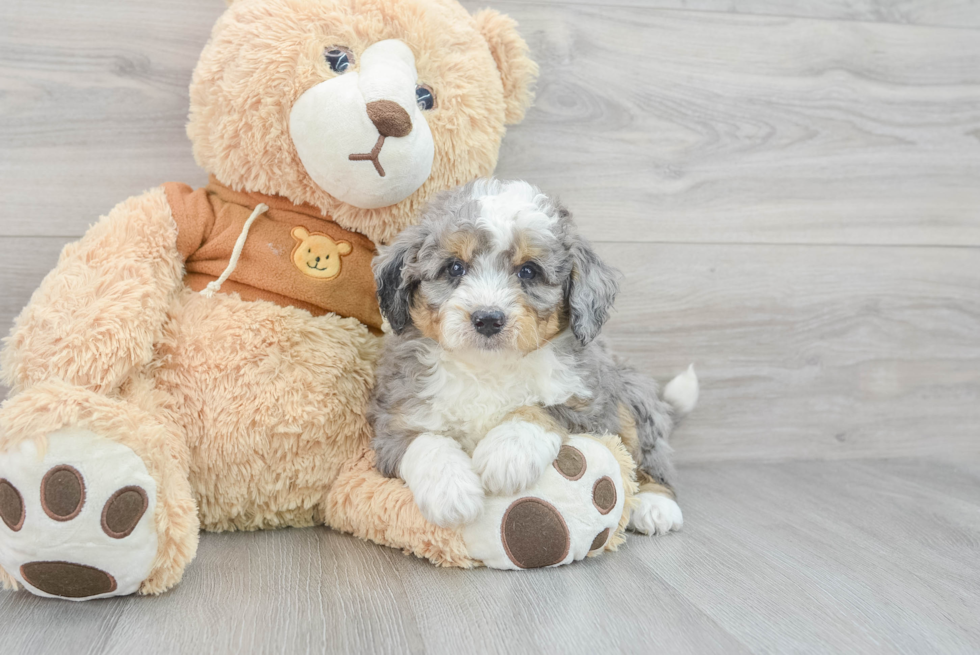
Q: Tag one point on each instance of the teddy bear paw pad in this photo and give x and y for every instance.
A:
(569, 512)
(77, 517)
(534, 534)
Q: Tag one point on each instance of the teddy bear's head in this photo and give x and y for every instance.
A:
(317, 255)
(362, 108)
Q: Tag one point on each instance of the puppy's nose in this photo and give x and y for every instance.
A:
(488, 323)
(389, 118)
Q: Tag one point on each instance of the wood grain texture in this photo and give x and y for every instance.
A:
(693, 127)
(807, 351)
(665, 125)
(806, 557)
(948, 13)
(93, 102)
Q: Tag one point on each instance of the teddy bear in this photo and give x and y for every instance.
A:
(202, 358)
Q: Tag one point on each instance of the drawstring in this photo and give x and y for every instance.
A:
(213, 287)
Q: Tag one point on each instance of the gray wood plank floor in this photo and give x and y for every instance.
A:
(792, 191)
(871, 556)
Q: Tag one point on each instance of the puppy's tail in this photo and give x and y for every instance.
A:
(682, 392)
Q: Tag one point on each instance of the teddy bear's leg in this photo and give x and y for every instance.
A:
(370, 506)
(95, 317)
(94, 495)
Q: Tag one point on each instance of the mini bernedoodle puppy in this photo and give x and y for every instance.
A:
(495, 303)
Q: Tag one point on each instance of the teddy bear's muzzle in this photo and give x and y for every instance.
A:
(366, 115)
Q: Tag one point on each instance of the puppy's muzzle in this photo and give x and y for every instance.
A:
(488, 322)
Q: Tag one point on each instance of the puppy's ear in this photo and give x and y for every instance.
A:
(590, 291)
(394, 290)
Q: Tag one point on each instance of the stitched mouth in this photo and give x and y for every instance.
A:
(315, 268)
(372, 156)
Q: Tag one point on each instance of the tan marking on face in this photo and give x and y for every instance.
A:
(537, 416)
(533, 330)
(426, 318)
(524, 250)
(461, 244)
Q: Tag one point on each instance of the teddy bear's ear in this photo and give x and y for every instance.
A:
(344, 248)
(509, 50)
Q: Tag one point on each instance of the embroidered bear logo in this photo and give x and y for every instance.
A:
(317, 255)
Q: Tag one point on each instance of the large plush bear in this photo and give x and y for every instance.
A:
(202, 358)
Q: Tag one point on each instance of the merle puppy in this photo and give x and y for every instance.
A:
(496, 304)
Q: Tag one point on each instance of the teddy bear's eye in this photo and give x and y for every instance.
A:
(339, 58)
(425, 97)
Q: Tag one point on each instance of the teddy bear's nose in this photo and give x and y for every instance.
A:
(389, 118)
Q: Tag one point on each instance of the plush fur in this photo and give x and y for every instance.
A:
(450, 385)
(52, 405)
(264, 54)
(250, 415)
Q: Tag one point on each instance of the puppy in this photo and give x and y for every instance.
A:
(495, 304)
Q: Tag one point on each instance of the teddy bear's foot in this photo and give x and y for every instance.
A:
(77, 516)
(575, 509)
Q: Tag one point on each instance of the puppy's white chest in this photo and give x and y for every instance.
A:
(468, 396)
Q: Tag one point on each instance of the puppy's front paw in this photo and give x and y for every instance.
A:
(513, 455)
(442, 480)
(451, 498)
(656, 514)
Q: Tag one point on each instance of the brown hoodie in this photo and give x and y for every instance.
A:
(293, 255)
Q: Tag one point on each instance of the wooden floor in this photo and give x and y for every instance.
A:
(792, 191)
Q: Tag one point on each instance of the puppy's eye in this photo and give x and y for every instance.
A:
(527, 272)
(339, 58)
(425, 97)
(456, 269)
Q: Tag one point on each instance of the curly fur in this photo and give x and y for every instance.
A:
(440, 375)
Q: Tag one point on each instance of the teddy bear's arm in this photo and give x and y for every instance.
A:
(96, 316)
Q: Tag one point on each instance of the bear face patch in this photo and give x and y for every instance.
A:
(317, 255)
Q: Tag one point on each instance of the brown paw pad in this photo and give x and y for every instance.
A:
(123, 511)
(67, 580)
(11, 506)
(62, 493)
(604, 495)
(534, 534)
(600, 540)
(570, 462)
